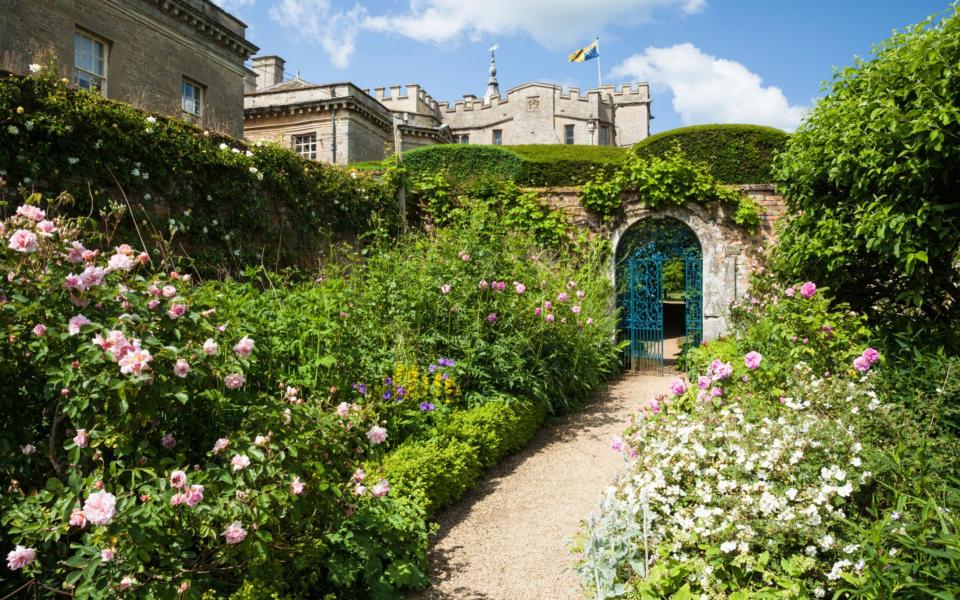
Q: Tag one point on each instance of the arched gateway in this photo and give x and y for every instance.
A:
(659, 285)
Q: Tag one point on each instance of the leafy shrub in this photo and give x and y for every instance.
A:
(190, 193)
(463, 164)
(439, 468)
(547, 165)
(664, 181)
(732, 153)
(870, 177)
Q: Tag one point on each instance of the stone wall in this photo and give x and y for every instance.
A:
(153, 45)
(730, 253)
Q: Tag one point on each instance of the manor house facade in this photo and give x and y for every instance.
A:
(342, 123)
(183, 58)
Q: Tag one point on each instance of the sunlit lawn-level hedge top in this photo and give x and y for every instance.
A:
(218, 200)
(733, 153)
(538, 165)
(162, 437)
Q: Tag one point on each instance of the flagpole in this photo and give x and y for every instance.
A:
(599, 78)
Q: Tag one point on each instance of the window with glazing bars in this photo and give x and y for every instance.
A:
(89, 62)
(305, 144)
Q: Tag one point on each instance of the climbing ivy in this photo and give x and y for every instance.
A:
(672, 179)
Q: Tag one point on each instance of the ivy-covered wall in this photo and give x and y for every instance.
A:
(216, 200)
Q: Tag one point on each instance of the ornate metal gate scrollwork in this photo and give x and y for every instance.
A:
(641, 255)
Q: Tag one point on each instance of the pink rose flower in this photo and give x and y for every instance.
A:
(23, 241)
(575, 309)
(752, 360)
(20, 557)
(220, 445)
(77, 518)
(677, 387)
(547, 305)
(360, 490)
(46, 228)
(181, 368)
(581, 294)
(296, 486)
(120, 262)
(703, 382)
(571, 284)
(143, 258)
(790, 291)
(176, 310)
(871, 355)
(519, 288)
(358, 476)
(483, 284)
(377, 435)
(240, 462)
(808, 289)
(562, 297)
(168, 441)
(234, 381)
(168, 291)
(81, 438)
(106, 555)
(343, 409)
(445, 289)
(75, 323)
(178, 479)
(589, 321)
(127, 582)
(616, 443)
(235, 533)
(716, 392)
(381, 489)
(210, 347)
(861, 364)
(134, 360)
(100, 507)
(40, 330)
(31, 212)
(538, 311)
(194, 496)
(492, 318)
(244, 347)
(75, 254)
(550, 318)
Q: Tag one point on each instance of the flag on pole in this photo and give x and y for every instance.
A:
(586, 53)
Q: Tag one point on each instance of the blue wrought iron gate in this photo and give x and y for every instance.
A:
(642, 253)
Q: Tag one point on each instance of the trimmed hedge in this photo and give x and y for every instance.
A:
(534, 165)
(215, 199)
(734, 153)
(438, 468)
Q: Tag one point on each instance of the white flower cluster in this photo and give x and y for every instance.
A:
(744, 483)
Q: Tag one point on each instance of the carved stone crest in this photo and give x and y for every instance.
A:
(533, 104)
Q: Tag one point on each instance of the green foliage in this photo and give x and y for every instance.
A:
(672, 179)
(732, 153)
(437, 468)
(463, 164)
(221, 202)
(673, 278)
(871, 177)
(546, 165)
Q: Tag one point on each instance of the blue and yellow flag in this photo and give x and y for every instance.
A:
(586, 53)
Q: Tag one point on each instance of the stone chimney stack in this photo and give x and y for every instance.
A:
(269, 70)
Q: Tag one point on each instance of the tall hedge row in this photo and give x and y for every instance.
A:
(734, 153)
(538, 165)
(212, 198)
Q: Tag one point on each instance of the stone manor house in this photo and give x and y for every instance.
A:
(178, 57)
(187, 58)
(341, 123)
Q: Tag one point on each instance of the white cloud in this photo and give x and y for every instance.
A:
(552, 23)
(561, 24)
(335, 30)
(233, 5)
(707, 89)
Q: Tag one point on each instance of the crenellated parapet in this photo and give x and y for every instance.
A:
(411, 98)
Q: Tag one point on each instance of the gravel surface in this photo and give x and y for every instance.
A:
(507, 539)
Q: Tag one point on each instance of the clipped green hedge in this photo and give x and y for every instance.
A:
(533, 165)
(463, 164)
(220, 201)
(734, 153)
(438, 468)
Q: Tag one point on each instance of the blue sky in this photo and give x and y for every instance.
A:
(757, 61)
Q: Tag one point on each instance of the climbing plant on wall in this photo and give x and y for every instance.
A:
(672, 179)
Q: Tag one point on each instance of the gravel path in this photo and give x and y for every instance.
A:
(507, 539)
